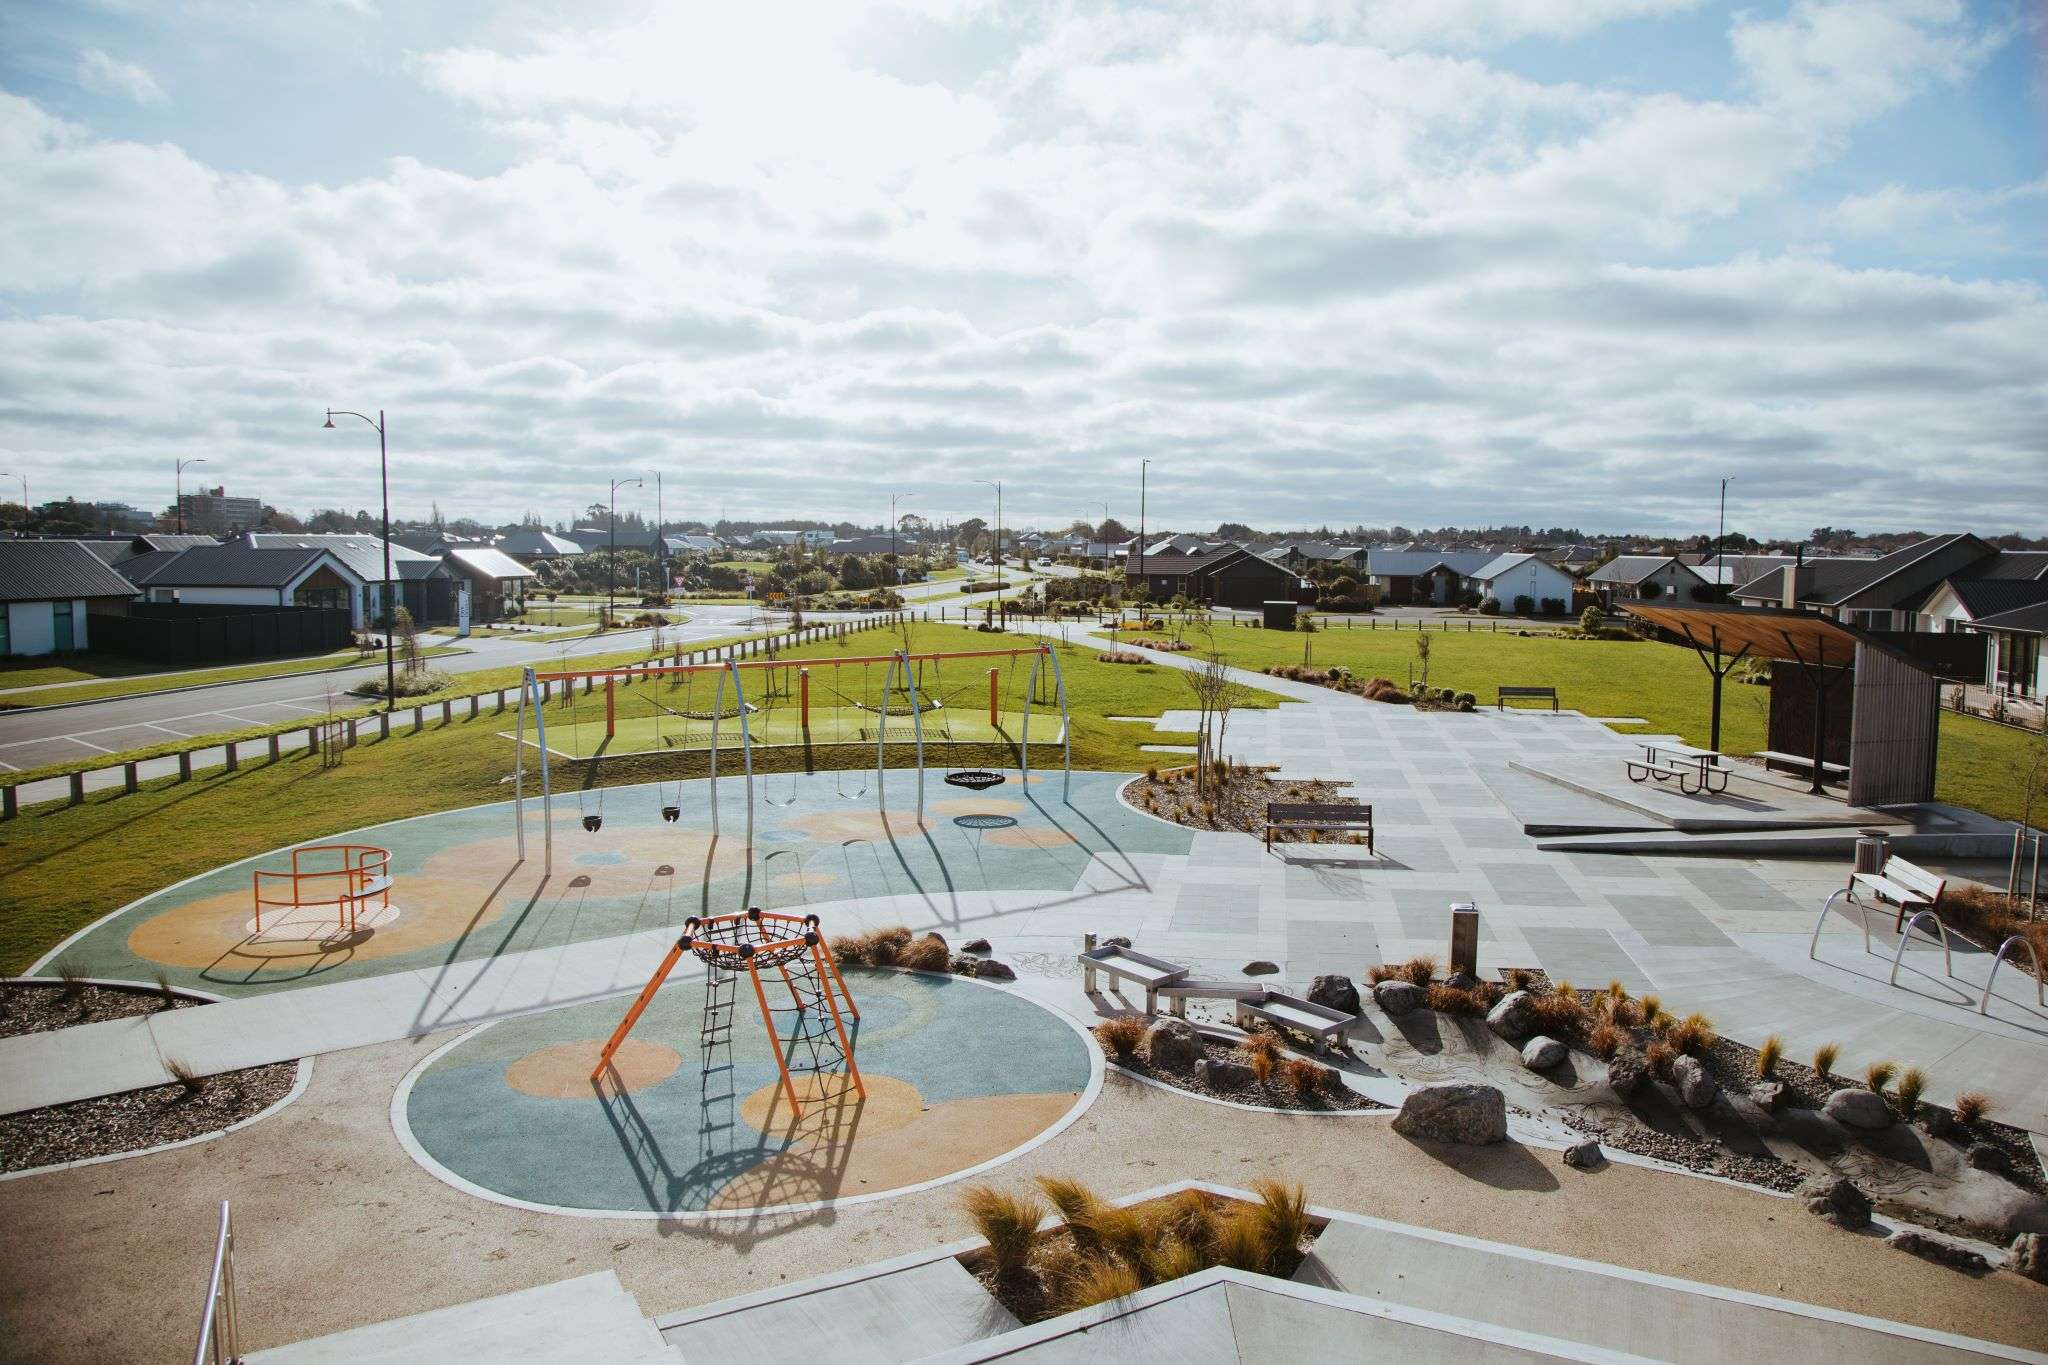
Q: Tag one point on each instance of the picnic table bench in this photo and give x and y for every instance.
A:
(1292, 1014)
(1128, 964)
(1697, 770)
(1322, 816)
(1907, 886)
(1805, 765)
(1529, 693)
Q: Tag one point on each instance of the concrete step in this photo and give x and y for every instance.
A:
(590, 1319)
(1605, 1307)
(874, 1317)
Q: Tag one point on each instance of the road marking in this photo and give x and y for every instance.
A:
(89, 744)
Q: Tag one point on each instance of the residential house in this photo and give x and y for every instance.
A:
(529, 546)
(49, 589)
(237, 575)
(423, 584)
(1646, 578)
(1421, 577)
(118, 550)
(1227, 577)
(1509, 578)
(708, 546)
(1891, 592)
(2017, 665)
(496, 580)
(1302, 556)
(1959, 603)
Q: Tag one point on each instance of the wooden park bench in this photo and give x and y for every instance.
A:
(1548, 694)
(1906, 886)
(1836, 771)
(1347, 817)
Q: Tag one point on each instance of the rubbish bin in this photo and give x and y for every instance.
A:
(1871, 850)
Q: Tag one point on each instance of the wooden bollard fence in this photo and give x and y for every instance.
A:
(129, 776)
(184, 765)
(229, 758)
(78, 789)
(273, 747)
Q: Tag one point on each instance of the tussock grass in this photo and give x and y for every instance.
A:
(1007, 1221)
(1972, 1106)
(927, 954)
(1769, 1055)
(1824, 1059)
(1261, 1052)
(1418, 971)
(1120, 1036)
(1302, 1076)
(1912, 1081)
(185, 1074)
(1878, 1075)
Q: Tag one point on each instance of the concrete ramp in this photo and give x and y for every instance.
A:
(1606, 1307)
(872, 1319)
(584, 1321)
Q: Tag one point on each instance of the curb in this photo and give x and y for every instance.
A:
(196, 687)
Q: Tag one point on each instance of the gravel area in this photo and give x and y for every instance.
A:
(1238, 803)
(129, 1122)
(1273, 1093)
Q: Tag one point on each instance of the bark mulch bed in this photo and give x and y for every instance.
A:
(1273, 1092)
(129, 1122)
(1235, 802)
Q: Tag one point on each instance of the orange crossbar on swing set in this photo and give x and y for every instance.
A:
(741, 942)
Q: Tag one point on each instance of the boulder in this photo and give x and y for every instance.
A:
(1335, 992)
(1510, 1018)
(1696, 1089)
(2029, 1256)
(1463, 981)
(1940, 1123)
(975, 945)
(1855, 1108)
(1455, 1111)
(1985, 1157)
(1398, 997)
(1172, 1044)
(1626, 1072)
(1834, 1198)
(1542, 1053)
(1114, 941)
(1220, 1073)
(991, 970)
(1584, 1155)
(963, 965)
(1770, 1096)
(1260, 967)
(1937, 1249)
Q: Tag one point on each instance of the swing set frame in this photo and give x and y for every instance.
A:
(536, 686)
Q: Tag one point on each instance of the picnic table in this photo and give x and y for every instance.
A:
(1697, 770)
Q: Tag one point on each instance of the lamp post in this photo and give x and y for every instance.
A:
(997, 484)
(1721, 541)
(1143, 465)
(24, 488)
(384, 590)
(611, 567)
(895, 574)
(178, 486)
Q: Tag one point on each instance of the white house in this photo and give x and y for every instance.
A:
(45, 589)
(1648, 578)
(1511, 577)
(230, 574)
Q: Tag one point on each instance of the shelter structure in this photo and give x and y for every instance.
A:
(1848, 696)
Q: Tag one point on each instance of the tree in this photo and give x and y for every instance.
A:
(1235, 530)
(1422, 653)
(1113, 531)
(407, 636)
(1215, 694)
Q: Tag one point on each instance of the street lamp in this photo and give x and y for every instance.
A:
(384, 589)
(1721, 540)
(24, 488)
(1143, 465)
(895, 569)
(997, 484)
(178, 487)
(611, 567)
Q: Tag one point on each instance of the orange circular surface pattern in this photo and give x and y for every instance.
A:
(217, 930)
(859, 824)
(562, 1072)
(1029, 838)
(833, 1109)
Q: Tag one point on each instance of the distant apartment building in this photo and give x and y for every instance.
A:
(120, 516)
(210, 511)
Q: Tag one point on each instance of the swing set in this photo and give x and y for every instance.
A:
(903, 676)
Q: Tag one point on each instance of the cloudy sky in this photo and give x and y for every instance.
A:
(1475, 261)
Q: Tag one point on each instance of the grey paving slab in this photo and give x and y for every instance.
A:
(1490, 834)
(1611, 865)
(1669, 922)
(1331, 945)
(1736, 888)
(1314, 882)
(1431, 918)
(1586, 957)
(1417, 853)
(1530, 884)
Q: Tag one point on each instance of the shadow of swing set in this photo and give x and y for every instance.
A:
(903, 674)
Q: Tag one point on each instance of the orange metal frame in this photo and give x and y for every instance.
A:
(361, 866)
(665, 670)
(736, 957)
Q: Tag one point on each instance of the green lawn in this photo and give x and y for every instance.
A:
(744, 565)
(556, 614)
(64, 866)
(193, 677)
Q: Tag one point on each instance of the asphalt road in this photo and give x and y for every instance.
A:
(119, 724)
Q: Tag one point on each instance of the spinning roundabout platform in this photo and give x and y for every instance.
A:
(959, 1074)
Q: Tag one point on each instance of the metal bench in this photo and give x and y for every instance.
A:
(1180, 992)
(1127, 964)
(1904, 885)
(1548, 694)
(1292, 1014)
(1346, 817)
(1828, 770)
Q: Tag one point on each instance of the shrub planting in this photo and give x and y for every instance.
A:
(1824, 1059)
(1120, 1036)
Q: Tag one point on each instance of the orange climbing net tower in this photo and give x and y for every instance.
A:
(745, 944)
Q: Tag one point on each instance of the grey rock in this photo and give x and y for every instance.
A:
(1584, 1155)
(1937, 1249)
(1114, 941)
(1510, 1018)
(963, 966)
(1855, 1108)
(1222, 1074)
(1626, 1072)
(1985, 1157)
(1260, 967)
(991, 970)
(1770, 1096)
(1173, 1044)
(1463, 981)
(1834, 1198)
(1940, 1123)
(975, 945)
(1455, 1111)
(1696, 1089)
(2029, 1256)
(1542, 1053)
(1398, 997)
(1337, 992)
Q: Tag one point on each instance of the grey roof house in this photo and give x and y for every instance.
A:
(48, 591)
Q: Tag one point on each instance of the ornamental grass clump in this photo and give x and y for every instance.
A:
(1824, 1059)
(1691, 1035)
(1912, 1081)
(1972, 1106)
(1007, 1222)
(1417, 971)
(928, 954)
(1605, 1039)
(1303, 1077)
(1769, 1055)
(1878, 1075)
(1120, 1036)
(1261, 1052)
(1455, 1000)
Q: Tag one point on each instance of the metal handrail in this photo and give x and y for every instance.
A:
(1813, 944)
(2040, 988)
(1947, 961)
(219, 1339)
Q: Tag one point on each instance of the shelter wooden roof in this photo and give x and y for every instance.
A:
(1802, 637)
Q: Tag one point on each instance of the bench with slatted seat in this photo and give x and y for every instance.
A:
(1906, 886)
(1322, 817)
(1828, 771)
(1508, 694)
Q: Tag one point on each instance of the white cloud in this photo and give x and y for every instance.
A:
(106, 75)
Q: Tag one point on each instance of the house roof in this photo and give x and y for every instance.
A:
(176, 541)
(487, 562)
(233, 566)
(1982, 597)
(56, 570)
(2011, 564)
(1499, 565)
(539, 544)
(139, 568)
(1168, 564)
(1835, 581)
(2030, 620)
(1634, 568)
(1236, 556)
(362, 554)
(1410, 563)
